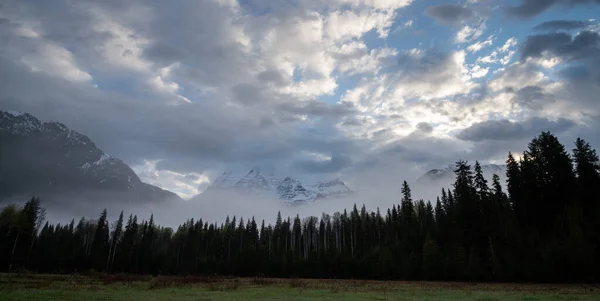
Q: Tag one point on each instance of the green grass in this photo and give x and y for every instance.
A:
(57, 287)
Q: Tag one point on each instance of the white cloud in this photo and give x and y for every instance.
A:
(160, 85)
(186, 185)
(355, 57)
(510, 43)
(377, 4)
(124, 47)
(55, 61)
(469, 33)
(478, 72)
(342, 25)
(412, 94)
(475, 47)
(26, 31)
(501, 55)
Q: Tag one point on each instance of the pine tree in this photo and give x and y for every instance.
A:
(480, 182)
(515, 190)
(587, 169)
(100, 245)
(115, 240)
(551, 167)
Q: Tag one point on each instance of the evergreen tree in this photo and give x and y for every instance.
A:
(115, 240)
(100, 245)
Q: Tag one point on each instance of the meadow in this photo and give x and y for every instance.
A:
(126, 287)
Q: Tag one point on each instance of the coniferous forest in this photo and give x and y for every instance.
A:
(543, 228)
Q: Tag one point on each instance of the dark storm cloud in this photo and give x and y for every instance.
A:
(535, 45)
(272, 76)
(424, 149)
(583, 45)
(424, 127)
(531, 8)
(449, 13)
(247, 94)
(532, 97)
(317, 108)
(508, 130)
(557, 25)
(353, 121)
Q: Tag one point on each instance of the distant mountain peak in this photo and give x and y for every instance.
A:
(447, 172)
(286, 189)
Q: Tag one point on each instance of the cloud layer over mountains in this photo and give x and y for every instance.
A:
(370, 91)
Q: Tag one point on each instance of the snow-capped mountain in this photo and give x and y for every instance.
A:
(332, 189)
(292, 190)
(447, 173)
(287, 189)
(48, 158)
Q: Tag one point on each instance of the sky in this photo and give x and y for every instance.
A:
(368, 91)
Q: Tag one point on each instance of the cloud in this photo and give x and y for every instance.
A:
(501, 55)
(450, 14)
(476, 47)
(187, 185)
(318, 109)
(535, 45)
(424, 127)
(533, 97)
(556, 25)
(183, 91)
(336, 163)
(423, 149)
(509, 130)
(273, 76)
(469, 33)
(531, 8)
(425, 74)
(578, 57)
(576, 61)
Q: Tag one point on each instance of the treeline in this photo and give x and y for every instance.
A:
(545, 228)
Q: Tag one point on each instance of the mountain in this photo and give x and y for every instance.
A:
(287, 189)
(49, 159)
(447, 173)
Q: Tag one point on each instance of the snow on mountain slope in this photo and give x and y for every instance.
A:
(331, 189)
(287, 189)
(254, 181)
(292, 190)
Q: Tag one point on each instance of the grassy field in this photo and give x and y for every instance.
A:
(120, 287)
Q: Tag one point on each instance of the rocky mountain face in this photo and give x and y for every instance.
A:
(47, 158)
(287, 189)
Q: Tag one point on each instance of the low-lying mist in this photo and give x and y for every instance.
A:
(216, 206)
(374, 190)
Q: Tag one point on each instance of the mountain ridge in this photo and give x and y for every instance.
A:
(447, 172)
(287, 189)
(69, 163)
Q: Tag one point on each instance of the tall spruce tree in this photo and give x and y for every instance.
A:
(100, 245)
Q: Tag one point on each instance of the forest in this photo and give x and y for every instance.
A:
(542, 228)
